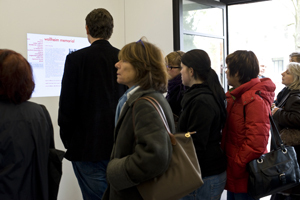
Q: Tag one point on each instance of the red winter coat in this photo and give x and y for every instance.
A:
(245, 135)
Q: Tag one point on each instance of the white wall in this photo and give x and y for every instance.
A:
(152, 19)
(133, 19)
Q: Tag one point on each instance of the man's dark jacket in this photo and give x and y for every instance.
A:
(89, 96)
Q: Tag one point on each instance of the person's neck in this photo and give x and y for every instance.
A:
(194, 81)
(92, 39)
(237, 85)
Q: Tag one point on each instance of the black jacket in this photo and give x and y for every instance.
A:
(89, 96)
(201, 113)
(289, 115)
(25, 136)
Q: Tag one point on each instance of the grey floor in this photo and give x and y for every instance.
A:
(223, 197)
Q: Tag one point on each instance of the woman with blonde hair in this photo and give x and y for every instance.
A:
(142, 147)
(286, 114)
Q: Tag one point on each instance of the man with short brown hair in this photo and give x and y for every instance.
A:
(89, 96)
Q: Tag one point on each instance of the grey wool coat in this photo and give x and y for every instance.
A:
(141, 151)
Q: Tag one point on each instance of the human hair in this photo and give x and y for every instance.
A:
(295, 57)
(174, 58)
(148, 62)
(245, 63)
(294, 69)
(199, 61)
(100, 23)
(16, 79)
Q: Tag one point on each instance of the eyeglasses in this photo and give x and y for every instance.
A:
(171, 67)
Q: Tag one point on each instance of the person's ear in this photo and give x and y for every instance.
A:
(236, 74)
(87, 30)
(191, 70)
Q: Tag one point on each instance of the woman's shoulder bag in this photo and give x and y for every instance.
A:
(275, 171)
(183, 175)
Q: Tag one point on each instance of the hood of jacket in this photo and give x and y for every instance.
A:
(263, 87)
(192, 92)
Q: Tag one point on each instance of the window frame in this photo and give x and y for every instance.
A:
(178, 31)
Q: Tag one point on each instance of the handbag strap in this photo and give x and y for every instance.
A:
(275, 134)
(283, 101)
(159, 110)
(274, 130)
(162, 115)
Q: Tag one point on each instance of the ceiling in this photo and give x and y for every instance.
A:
(231, 2)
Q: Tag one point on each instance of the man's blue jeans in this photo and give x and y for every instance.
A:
(238, 196)
(211, 189)
(91, 177)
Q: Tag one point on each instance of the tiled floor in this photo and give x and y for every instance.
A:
(223, 197)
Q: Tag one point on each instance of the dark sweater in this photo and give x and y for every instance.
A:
(201, 113)
(175, 94)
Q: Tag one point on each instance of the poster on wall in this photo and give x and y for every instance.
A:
(47, 54)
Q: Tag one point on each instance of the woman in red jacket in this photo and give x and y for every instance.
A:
(246, 132)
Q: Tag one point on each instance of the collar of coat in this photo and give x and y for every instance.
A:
(129, 103)
(137, 94)
(264, 87)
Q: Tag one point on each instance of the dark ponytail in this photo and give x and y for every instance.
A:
(214, 84)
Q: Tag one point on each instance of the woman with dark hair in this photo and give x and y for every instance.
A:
(204, 111)
(25, 132)
(142, 147)
(246, 132)
(175, 86)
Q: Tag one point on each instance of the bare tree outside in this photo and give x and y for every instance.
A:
(296, 13)
(271, 29)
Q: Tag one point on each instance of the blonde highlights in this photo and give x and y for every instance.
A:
(149, 64)
(294, 69)
(174, 58)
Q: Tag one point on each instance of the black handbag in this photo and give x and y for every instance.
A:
(275, 171)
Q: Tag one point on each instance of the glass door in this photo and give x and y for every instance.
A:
(203, 26)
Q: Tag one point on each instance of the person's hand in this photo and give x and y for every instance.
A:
(274, 110)
(272, 106)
